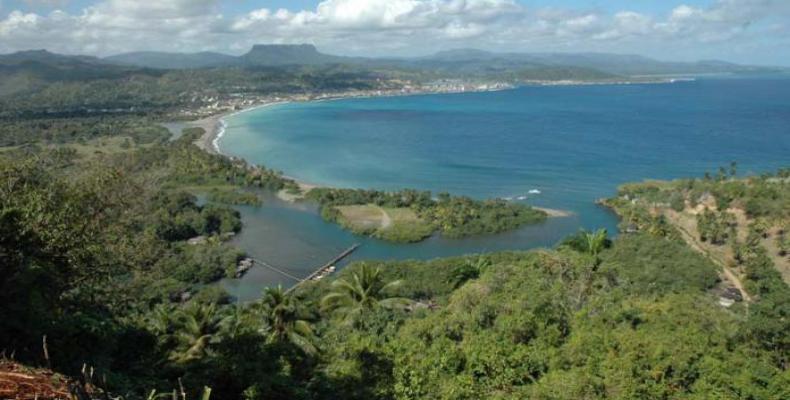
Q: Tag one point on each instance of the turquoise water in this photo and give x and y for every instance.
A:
(572, 143)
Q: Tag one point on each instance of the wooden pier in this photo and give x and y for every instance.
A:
(275, 269)
(325, 269)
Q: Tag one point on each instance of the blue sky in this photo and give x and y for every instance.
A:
(745, 31)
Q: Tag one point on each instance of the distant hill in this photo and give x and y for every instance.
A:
(303, 54)
(618, 64)
(44, 56)
(29, 70)
(259, 55)
(456, 55)
(629, 64)
(161, 60)
(460, 61)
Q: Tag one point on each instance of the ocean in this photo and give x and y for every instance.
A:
(561, 147)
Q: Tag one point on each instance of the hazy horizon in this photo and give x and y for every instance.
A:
(385, 57)
(752, 32)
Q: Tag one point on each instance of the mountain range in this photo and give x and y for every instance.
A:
(462, 60)
(26, 71)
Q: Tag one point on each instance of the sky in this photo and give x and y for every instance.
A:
(743, 31)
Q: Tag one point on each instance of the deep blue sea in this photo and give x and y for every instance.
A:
(574, 144)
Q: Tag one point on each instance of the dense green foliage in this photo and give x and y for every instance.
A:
(453, 216)
(82, 240)
(362, 292)
(549, 325)
(141, 130)
(93, 256)
(764, 202)
(157, 92)
(458, 217)
(234, 197)
(177, 217)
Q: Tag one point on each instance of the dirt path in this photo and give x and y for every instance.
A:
(691, 240)
(386, 221)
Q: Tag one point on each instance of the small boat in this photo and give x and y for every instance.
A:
(534, 191)
(522, 197)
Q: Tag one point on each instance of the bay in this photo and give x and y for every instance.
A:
(573, 144)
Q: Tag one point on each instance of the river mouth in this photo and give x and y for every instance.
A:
(294, 238)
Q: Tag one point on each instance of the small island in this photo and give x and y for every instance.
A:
(411, 216)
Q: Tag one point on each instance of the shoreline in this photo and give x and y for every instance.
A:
(555, 213)
(215, 125)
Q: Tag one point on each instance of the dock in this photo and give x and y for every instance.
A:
(319, 273)
(275, 269)
(327, 268)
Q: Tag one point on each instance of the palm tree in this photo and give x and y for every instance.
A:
(160, 320)
(197, 329)
(471, 269)
(595, 242)
(365, 290)
(285, 318)
(239, 322)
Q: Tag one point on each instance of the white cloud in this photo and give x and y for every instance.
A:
(683, 12)
(399, 26)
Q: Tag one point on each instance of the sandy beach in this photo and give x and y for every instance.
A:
(554, 213)
(285, 195)
(213, 127)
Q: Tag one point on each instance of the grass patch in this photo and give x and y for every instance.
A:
(362, 218)
(391, 224)
(103, 145)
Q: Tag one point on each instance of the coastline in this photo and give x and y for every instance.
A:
(211, 126)
(554, 213)
(214, 125)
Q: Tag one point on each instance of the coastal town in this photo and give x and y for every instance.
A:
(212, 104)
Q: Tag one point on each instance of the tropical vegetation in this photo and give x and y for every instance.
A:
(113, 236)
(452, 216)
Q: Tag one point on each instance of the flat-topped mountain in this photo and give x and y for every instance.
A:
(277, 54)
(259, 55)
